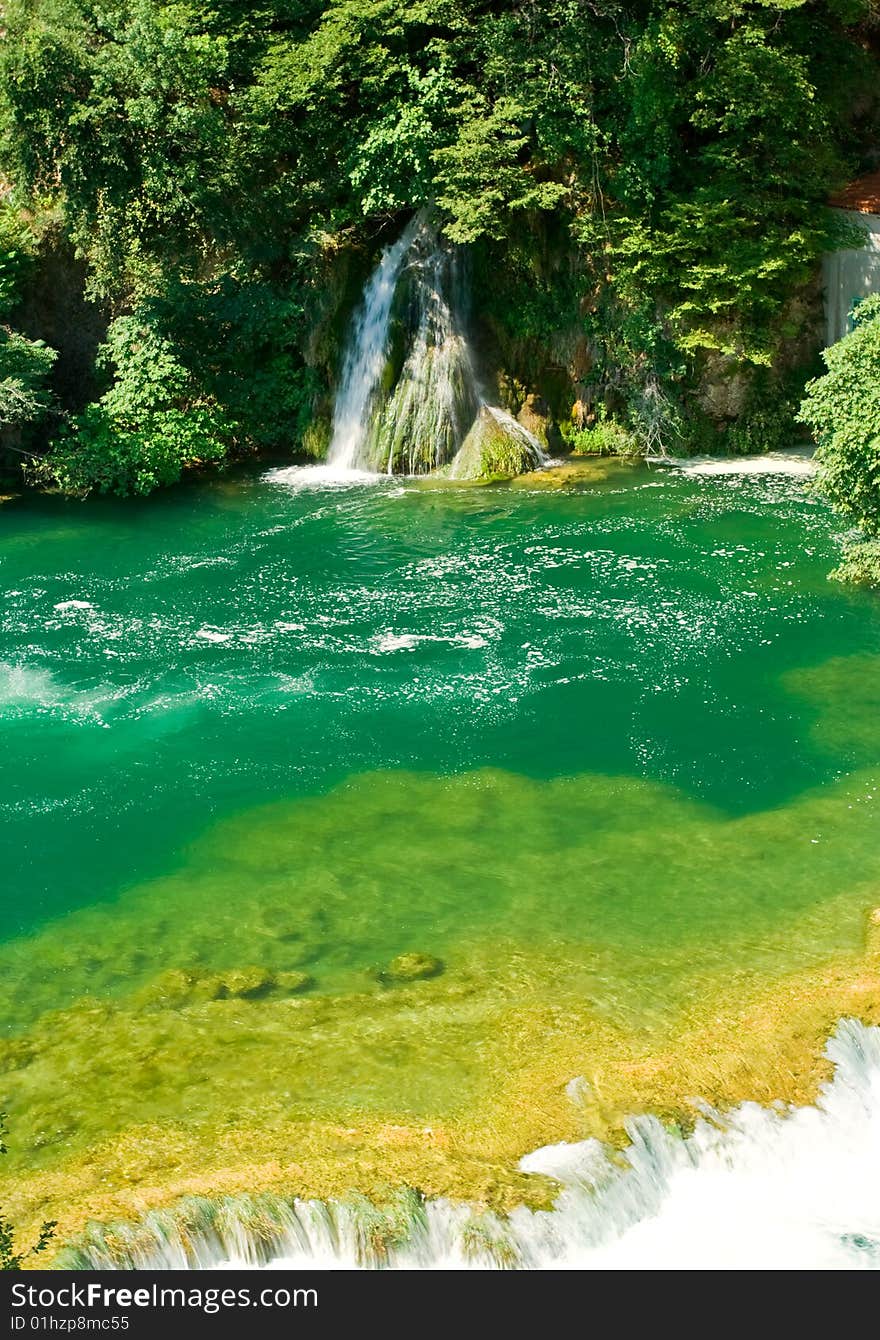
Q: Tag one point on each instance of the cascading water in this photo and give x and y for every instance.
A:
(756, 1188)
(432, 414)
(365, 356)
(424, 422)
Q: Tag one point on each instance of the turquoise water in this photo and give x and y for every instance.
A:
(601, 747)
(170, 663)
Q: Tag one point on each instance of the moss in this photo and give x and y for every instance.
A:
(496, 448)
(411, 968)
(316, 438)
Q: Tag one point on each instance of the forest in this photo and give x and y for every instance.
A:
(192, 196)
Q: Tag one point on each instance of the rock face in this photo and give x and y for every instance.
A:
(411, 968)
(497, 447)
(534, 416)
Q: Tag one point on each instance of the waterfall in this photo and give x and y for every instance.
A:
(365, 355)
(430, 414)
(755, 1188)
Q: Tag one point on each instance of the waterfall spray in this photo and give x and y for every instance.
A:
(434, 415)
(755, 1188)
(365, 355)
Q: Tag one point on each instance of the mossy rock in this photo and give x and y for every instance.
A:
(411, 967)
(496, 447)
(247, 983)
(535, 418)
(179, 987)
(171, 989)
(292, 983)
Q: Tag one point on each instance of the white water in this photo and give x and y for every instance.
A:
(420, 423)
(365, 355)
(759, 1188)
(797, 463)
(297, 477)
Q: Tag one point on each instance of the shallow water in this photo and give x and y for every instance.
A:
(755, 1189)
(611, 745)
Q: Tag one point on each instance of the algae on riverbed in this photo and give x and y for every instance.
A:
(601, 751)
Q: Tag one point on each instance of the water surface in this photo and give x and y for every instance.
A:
(606, 748)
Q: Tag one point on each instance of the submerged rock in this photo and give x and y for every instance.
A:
(291, 983)
(180, 987)
(411, 968)
(170, 989)
(496, 447)
(246, 983)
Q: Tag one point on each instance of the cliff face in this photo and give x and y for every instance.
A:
(54, 308)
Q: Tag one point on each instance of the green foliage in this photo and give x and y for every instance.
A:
(860, 565)
(25, 364)
(842, 409)
(151, 424)
(24, 367)
(10, 1259)
(648, 182)
(17, 247)
(606, 437)
(242, 335)
(763, 429)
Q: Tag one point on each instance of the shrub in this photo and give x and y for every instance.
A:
(146, 429)
(842, 408)
(606, 437)
(860, 564)
(24, 367)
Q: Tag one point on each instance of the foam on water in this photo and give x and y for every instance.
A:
(298, 477)
(799, 464)
(759, 1188)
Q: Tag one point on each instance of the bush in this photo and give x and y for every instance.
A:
(860, 564)
(607, 437)
(24, 367)
(150, 425)
(842, 408)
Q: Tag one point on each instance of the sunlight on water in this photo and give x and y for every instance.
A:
(331, 808)
(754, 1189)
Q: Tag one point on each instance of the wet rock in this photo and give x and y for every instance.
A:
(247, 983)
(291, 983)
(497, 447)
(535, 418)
(411, 967)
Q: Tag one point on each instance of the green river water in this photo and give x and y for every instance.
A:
(615, 740)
